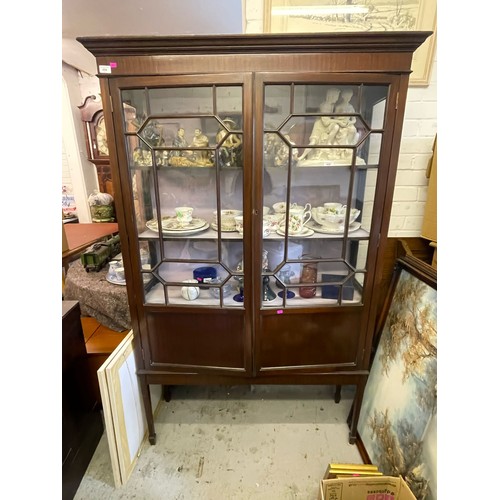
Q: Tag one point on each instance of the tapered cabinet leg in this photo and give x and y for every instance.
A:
(146, 397)
(354, 413)
(167, 393)
(337, 395)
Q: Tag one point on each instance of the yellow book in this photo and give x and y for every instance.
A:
(351, 470)
(355, 473)
(353, 466)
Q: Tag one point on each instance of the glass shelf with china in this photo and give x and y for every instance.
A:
(184, 148)
(185, 153)
(321, 155)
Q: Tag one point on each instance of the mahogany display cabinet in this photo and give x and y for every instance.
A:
(253, 179)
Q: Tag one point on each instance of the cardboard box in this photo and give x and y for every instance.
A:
(429, 224)
(365, 488)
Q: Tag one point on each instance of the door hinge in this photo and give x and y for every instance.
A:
(397, 100)
(111, 105)
(143, 357)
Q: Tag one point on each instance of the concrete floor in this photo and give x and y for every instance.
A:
(234, 443)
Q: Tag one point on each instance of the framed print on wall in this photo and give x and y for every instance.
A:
(397, 427)
(314, 16)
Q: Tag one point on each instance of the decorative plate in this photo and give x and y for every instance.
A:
(171, 224)
(328, 230)
(111, 278)
(186, 232)
(304, 233)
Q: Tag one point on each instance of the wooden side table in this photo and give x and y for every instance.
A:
(81, 236)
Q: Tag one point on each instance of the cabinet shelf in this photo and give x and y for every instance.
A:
(211, 234)
(166, 168)
(156, 296)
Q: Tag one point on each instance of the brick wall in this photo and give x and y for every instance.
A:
(419, 132)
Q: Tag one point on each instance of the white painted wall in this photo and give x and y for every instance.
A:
(419, 132)
(82, 173)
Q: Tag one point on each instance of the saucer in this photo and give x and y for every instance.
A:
(170, 225)
(334, 230)
(304, 233)
(111, 278)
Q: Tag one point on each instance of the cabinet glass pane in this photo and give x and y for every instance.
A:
(181, 101)
(320, 167)
(186, 172)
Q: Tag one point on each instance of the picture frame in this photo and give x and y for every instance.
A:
(123, 409)
(397, 426)
(313, 16)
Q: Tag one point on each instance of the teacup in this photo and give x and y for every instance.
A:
(227, 219)
(297, 218)
(184, 215)
(113, 265)
(280, 207)
(274, 221)
(120, 273)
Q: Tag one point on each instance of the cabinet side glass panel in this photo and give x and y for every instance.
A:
(319, 176)
(186, 173)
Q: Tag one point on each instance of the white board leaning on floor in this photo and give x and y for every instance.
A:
(123, 408)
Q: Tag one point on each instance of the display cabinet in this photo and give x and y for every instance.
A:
(254, 186)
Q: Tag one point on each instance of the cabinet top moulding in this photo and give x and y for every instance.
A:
(392, 41)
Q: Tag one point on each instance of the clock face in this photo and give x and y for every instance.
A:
(102, 142)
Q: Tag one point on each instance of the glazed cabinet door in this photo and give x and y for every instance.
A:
(184, 146)
(323, 151)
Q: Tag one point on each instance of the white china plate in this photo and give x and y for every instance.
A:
(304, 233)
(171, 224)
(111, 278)
(187, 232)
(338, 230)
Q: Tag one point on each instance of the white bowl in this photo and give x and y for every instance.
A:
(327, 218)
(333, 207)
(280, 207)
(227, 218)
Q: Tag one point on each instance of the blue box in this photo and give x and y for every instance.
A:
(204, 275)
(332, 291)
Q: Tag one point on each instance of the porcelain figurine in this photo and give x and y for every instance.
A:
(332, 131)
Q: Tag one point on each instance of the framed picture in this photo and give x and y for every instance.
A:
(397, 427)
(313, 16)
(123, 409)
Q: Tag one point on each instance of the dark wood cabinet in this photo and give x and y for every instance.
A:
(82, 424)
(261, 168)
